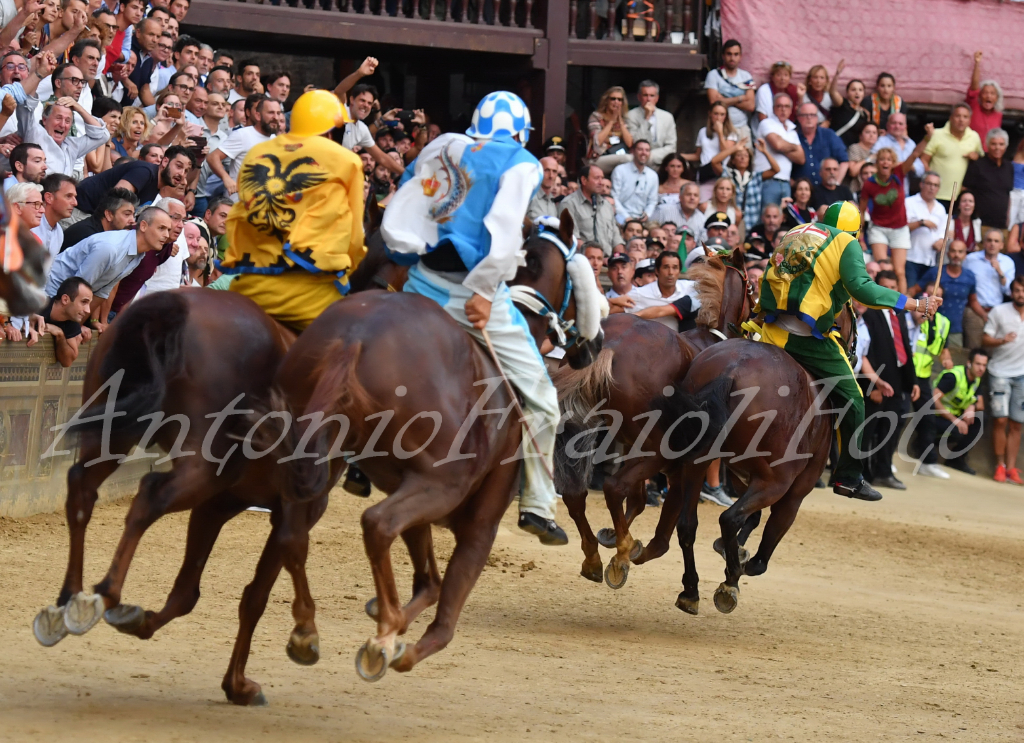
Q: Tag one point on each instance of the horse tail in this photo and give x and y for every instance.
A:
(694, 422)
(338, 391)
(148, 348)
(579, 392)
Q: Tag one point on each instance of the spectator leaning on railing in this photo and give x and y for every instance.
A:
(63, 317)
(115, 212)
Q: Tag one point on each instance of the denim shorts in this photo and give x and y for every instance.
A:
(1007, 397)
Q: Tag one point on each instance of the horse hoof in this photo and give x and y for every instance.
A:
(304, 649)
(638, 547)
(48, 626)
(371, 609)
(260, 700)
(125, 618)
(615, 575)
(726, 598)
(593, 572)
(399, 652)
(606, 538)
(720, 549)
(689, 605)
(372, 662)
(754, 567)
(83, 612)
(744, 555)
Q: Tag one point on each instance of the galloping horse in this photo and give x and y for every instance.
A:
(778, 437)
(639, 361)
(412, 396)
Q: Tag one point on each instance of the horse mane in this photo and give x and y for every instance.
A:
(710, 279)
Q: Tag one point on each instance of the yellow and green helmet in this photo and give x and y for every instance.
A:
(843, 215)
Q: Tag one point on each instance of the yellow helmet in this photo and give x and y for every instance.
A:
(843, 215)
(316, 113)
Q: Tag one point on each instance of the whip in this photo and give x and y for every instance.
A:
(946, 240)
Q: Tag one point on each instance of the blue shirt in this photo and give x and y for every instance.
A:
(955, 294)
(827, 144)
(102, 260)
(1018, 175)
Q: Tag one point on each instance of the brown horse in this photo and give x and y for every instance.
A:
(412, 396)
(187, 355)
(778, 438)
(641, 359)
(23, 266)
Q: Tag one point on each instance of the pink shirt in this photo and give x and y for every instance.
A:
(982, 121)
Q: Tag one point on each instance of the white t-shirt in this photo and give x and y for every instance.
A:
(709, 146)
(922, 240)
(357, 134)
(612, 294)
(764, 101)
(237, 146)
(649, 295)
(787, 131)
(1006, 360)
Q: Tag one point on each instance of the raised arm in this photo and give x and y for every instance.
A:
(767, 175)
(833, 87)
(908, 164)
(976, 72)
(366, 69)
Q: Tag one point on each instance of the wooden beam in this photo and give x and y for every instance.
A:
(555, 76)
(320, 24)
(663, 56)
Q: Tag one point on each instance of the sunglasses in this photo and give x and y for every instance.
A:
(620, 100)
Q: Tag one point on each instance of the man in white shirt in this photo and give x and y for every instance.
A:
(684, 213)
(59, 200)
(651, 123)
(783, 142)
(168, 274)
(733, 87)
(993, 271)
(670, 300)
(357, 134)
(267, 122)
(926, 218)
(53, 132)
(1004, 337)
(895, 138)
(635, 186)
(247, 81)
(74, 80)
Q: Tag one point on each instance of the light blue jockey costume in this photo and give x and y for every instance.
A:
(457, 218)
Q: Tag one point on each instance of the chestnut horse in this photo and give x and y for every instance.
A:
(778, 437)
(413, 397)
(23, 266)
(640, 360)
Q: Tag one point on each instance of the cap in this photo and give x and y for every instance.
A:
(644, 265)
(718, 219)
(693, 256)
(686, 230)
(554, 143)
(618, 258)
(755, 236)
(714, 244)
(399, 135)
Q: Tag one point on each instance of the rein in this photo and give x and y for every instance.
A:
(564, 330)
(744, 311)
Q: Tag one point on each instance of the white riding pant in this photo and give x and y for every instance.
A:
(522, 363)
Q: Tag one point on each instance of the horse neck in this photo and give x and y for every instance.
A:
(732, 302)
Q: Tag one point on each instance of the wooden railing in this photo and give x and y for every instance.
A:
(667, 21)
(509, 13)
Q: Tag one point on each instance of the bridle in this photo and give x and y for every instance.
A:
(565, 331)
(748, 303)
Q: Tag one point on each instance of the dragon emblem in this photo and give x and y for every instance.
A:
(270, 191)
(797, 251)
(459, 184)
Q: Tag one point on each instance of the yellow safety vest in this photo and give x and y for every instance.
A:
(963, 394)
(924, 352)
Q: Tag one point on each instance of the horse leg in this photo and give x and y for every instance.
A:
(764, 490)
(576, 505)
(159, 493)
(297, 521)
(475, 530)
(238, 689)
(83, 484)
(417, 501)
(675, 501)
(627, 482)
(426, 579)
(689, 599)
(204, 526)
(782, 516)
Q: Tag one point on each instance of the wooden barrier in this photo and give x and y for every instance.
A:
(36, 393)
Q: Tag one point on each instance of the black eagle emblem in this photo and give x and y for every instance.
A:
(270, 192)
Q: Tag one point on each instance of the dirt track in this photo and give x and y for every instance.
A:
(892, 621)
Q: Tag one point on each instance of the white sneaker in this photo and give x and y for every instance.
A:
(715, 495)
(933, 470)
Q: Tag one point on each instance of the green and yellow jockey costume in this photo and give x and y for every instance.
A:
(811, 275)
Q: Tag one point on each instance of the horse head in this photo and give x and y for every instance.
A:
(722, 287)
(23, 266)
(377, 270)
(556, 288)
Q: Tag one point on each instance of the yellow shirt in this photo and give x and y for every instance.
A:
(300, 205)
(947, 157)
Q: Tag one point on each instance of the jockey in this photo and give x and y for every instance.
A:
(457, 219)
(297, 229)
(812, 273)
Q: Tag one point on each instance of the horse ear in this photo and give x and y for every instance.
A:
(565, 227)
(374, 215)
(736, 258)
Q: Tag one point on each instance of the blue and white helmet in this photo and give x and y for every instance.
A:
(501, 113)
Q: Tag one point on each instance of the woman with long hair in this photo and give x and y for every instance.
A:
(169, 122)
(884, 100)
(797, 210)
(848, 113)
(670, 176)
(109, 112)
(712, 139)
(747, 183)
(132, 132)
(966, 226)
(723, 199)
(610, 140)
(816, 91)
(860, 151)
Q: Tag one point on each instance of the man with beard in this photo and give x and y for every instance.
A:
(144, 179)
(115, 212)
(267, 122)
(247, 82)
(28, 165)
